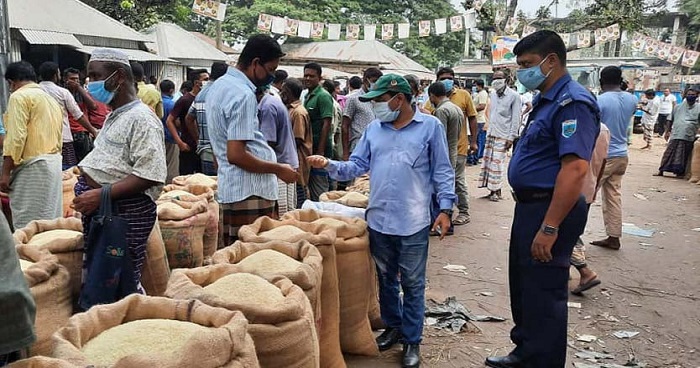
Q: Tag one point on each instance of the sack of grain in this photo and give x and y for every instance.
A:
(360, 185)
(354, 278)
(350, 199)
(143, 335)
(198, 179)
(211, 231)
(695, 163)
(62, 238)
(48, 282)
(300, 262)
(328, 333)
(156, 271)
(374, 313)
(42, 362)
(69, 181)
(182, 224)
(280, 316)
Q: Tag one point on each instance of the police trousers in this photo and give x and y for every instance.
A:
(539, 291)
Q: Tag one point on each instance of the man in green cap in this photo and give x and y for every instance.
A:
(406, 153)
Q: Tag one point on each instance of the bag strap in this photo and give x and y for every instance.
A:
(106, 200)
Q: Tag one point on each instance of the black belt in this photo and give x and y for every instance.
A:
(532, 195)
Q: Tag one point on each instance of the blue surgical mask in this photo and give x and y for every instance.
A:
(532, 78)
(98, 91)
(449, 84)
(383, 112)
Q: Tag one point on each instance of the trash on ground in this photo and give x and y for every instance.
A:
(635, 305)
(604, 365)
(696, 229)
(431, 321)
(573, 305)
(625, 334)
(486, 293)
(455, 268)
(592, 355)
(609, 318)
(645, 244)
(485, 235)
(632, 229)
(586, 338)
(641, 196)
(453, 316)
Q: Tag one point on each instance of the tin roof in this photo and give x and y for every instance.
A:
(174, 42)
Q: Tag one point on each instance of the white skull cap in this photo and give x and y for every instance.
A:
(110, 55)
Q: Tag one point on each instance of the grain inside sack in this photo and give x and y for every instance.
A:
(182, 224)
(196, 179)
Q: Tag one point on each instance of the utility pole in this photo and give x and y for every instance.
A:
(4, 52)
(218, 34)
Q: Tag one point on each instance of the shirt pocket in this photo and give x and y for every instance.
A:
(535, 135)
(410, 153)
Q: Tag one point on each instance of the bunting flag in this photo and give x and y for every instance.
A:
(440, 26)
(456, 23)
(676, 54)
(613, 32)
(690, 58)
(317, 30)
(664, 50)
(651, 47)
(370, 32)
(279, 25)
(601, 35)
(424, 28)
(638, 41)
(478, 4)
(264, 22)
(566, 37)
(404, 30)
(511, 25)
(304, 30)
(210, 9)
(387, 31)
(334, 31)
(470, 19)
(528, 30)
(292, 27)
(583, 39)
(352, 32)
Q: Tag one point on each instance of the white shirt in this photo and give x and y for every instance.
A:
(666, 104)
(652, 106)
(504, 114)
(67, 102)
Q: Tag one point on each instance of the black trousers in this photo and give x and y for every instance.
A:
(539, 291)
(83, 144)
(190, 163)
(660, 125)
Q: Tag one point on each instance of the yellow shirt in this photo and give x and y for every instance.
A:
(151, 97)
(34, 122)
(463, 99)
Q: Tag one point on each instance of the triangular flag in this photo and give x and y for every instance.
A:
(387, 31)
(264, 22)
(292, 27)
(352, 32)
(470, 19)
(304, 29)
(690, 58)
(334, 31)
(424, 28)
(317, 30)
(279, 25)
(440, 26)
(404, 30)
(456, 23)
(370, 32)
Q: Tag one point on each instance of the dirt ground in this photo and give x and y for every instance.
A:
(650, 286)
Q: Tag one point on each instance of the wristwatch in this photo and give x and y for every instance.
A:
(549, 230)
(448, 213)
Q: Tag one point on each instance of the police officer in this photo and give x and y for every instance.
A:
(546, 173)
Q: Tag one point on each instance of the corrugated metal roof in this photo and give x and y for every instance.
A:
(174, 42)
(297, 71)
(134, 55)
(36, 37)
(212, 42)
(68, 16)
(371, 52)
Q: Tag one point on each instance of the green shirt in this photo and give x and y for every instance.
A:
(319, 104)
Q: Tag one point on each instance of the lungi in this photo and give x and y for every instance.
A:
(36, 190)
(675, 159)
(648, 132)
(578, 256)
(494, 164)
(70, 159)
(235, 215)
(286, 194)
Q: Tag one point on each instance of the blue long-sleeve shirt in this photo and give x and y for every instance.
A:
(407, 166)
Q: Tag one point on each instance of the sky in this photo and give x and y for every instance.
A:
(530, 6)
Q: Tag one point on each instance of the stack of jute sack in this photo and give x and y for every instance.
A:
(182, 224)
(203, 192)
(350, 199)
(360, 185)
(69, 180)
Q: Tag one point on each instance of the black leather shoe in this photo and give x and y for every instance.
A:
(508, 361)
(411, 356)
(388, 338)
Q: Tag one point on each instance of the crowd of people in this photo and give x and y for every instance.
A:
(275, 141)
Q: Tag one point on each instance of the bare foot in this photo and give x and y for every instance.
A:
(610, 243)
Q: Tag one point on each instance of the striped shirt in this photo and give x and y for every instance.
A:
(232, 115)
(199, 111)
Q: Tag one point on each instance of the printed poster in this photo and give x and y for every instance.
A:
(664, 50)
(511, 25)
(583, 39)
(638, 41)
(404, 30)
(317, 30)
(334, 31)
(456, 23)
(528, 30)
(440, 26)
(292, 27)
(470, 19)
(566, 37)
(613, 32)
(690, 58)
(210, 9)
(352, 32)
(601, 35)
(502, 50)
(304, 29)
(387, 31)
(279, 25)
(478, 4)
(651, 47)
(370, 32)
(265, 22)
(424, 28)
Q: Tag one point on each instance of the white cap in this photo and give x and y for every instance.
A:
(110, 55)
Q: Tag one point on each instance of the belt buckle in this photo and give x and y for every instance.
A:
(515, 197)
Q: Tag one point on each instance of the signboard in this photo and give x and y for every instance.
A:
(210, 9)
(502, 50)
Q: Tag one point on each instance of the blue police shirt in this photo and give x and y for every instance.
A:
(565, 120)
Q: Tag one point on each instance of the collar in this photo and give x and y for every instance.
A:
(166, 97)
(443, 102)
(126, 107)
(237, 74)
(315, 90)
(556, 88)
(295, 104)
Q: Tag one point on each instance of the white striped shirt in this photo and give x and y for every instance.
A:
(232, 115)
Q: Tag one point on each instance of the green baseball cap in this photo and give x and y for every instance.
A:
(387, 83)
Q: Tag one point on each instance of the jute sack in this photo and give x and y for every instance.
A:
(211, 231)
(328, 331)
(226, 343)
(42, 362)
(68, 247)
(284, 333)
(156, 271)
(307, 276)
(69, 181)
(695, 163)
(198, 179)
(374, 312)
(48, 282)
(354, 278)
(350, 199)
(182, 224)
(361, 185)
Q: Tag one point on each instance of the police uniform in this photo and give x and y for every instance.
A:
(564, 121)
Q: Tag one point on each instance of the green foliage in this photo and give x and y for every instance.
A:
(140, 14)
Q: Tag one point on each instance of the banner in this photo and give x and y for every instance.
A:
(370, 32)
(210, 9)
(265, 22)
(304, 29)
(424, 28)
(511, 25)
(528, 30)
(440, 26)
(352, 32)
(566, 37)
(404, 30)
(676, 54)
(502, 50)
(456, 23)
(292, 27)
(638, 41)
(387, 31)
(690, 58)
(334, 31)
(279, 25)
(583, 39)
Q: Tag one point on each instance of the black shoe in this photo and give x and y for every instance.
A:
(508, 361)
(388, 338)
(411, 356)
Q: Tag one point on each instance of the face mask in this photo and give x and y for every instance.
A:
(98, 91)
(383, 112)
(499, 85)
(449, 84)
(204, 83)
(532, 78)
(691, 99)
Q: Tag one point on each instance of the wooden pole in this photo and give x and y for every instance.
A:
(4, 52)
(218, 34)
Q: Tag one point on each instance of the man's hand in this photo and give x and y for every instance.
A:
(184, 147)
(667, 135)
(5, 184)
(509, 144)
(443, 222)
(473, 147)
(88, 202)
(72, 85)
(286, 173)
(542, 246)
(317, 161)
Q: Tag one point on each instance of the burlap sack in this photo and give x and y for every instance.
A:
(197, 179)
(284, 333)
(374, 313)
(360, 185)
(68, 251)
(695, 163)
(328, 331)
(354, 279)
(182, 225)
(69, 181)
(48, 282)
(211, 231)
(156, 271)
(350, 199)
(42, 362)
(227, 344)
(308, 276)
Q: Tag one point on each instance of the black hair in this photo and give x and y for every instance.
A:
(542, 43)
(329, 86)
(68, 71)
(445, 70)
(280, 76)
(194, 75)
(218, 70)
(412, 81)
(355, 82)
(372, 73)
(480, 83)
(650, 91)
(48, 70)
(314, 66)
(20, 71)
(137, 69)
(611, 75)
(167, 85)
(295, 87)
(260, 46)
(336, 83)
(187, 86)
(437, 89)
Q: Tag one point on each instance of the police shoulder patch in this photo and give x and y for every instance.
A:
(568, 128)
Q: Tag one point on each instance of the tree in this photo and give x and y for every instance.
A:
(141, 14)
(543, 12)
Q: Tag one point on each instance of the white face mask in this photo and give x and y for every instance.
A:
(383, 112)
(499, 85)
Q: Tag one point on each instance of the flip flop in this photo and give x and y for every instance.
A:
(587, 286)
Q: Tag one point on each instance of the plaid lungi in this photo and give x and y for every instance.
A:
(675, 159)
(578, 256)
(70, 159)
(287, 197)
(494, 164)
(235, 215)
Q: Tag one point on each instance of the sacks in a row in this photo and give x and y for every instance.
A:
(360, 185)
(349, 198)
